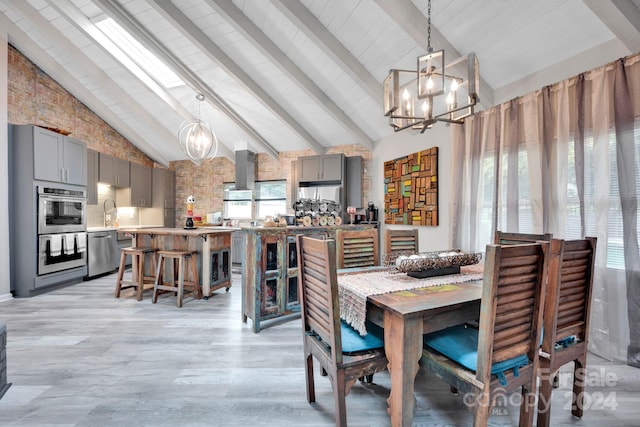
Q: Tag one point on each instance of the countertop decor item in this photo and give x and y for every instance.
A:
(189, 223)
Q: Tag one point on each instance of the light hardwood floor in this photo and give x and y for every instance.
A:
(79, 357)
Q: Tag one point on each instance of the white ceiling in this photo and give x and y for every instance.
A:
(284, 75)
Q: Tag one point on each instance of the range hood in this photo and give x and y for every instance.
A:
(245, 169)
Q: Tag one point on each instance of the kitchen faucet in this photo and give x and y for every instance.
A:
(109, 208)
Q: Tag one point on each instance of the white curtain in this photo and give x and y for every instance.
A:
(563, 160)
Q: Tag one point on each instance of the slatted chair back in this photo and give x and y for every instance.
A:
(566, 318)
(398, 242)
(318, 291)
(505, 238)
(508, 338)
(357, 248)
(341, 352)
(514, 291)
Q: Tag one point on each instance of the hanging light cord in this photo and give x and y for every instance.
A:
(429, 48)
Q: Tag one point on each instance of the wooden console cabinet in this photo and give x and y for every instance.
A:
(270, 270)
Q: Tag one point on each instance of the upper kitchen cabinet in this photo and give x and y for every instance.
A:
(113, 171)
(328, 167)
(56, 157)
(138, 194)
(92, 177)
(164, 188)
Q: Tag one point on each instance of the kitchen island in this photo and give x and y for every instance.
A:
(212, 245)
(270, 270)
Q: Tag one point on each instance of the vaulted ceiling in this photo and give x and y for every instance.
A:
(282, 75)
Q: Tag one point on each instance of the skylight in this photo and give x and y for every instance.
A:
(127, 49)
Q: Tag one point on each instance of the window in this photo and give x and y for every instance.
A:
(615, 231)
(237, 203)
(271, 198)
(133, 55)
(268, 198)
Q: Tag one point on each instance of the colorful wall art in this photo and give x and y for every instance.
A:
(411, 189)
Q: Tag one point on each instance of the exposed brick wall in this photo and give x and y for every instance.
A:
(35, 98)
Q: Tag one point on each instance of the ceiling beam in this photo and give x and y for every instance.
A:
(60, 74)
(622, 17)
(172, 14)
(115, 11)
(252, 33)
(330, 45)
(408, 17)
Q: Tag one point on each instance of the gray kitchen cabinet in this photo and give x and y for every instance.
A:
(139, 193)
(113, 171)
(27, 172)
(169, 217)
(58, 158)
(92, 177)
(164, 188)
(164, 194)
(328, 167)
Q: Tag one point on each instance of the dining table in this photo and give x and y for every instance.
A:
(407, 308)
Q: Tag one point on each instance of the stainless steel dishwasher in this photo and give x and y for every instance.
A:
(103, 252)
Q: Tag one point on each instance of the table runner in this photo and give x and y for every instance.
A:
(354, 289)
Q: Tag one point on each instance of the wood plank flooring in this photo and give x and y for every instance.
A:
(78, 356)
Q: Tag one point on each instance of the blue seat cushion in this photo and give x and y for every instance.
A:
(460, 344)
(353, 342)
(565, 342)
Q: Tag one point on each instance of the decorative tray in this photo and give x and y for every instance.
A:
(439, 263)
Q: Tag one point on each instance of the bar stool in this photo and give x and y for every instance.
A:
(138, 279)
(179, 275)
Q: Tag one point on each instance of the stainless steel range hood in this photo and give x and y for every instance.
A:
(245, 169)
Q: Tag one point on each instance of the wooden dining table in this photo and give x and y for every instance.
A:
(407, 315)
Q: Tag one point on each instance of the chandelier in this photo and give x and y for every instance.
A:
(196, 137)
(433, 92)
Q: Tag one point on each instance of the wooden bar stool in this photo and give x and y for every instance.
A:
(138, 279)
(179, 275)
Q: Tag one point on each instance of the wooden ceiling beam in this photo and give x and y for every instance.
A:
(252, 33)
(622, 17)
(172, 14)
(330, 45)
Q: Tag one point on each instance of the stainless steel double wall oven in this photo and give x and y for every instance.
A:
(62, 238)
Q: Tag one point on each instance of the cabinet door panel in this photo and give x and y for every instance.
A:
(309, 168)
(139, 191)
(332, 167)
(169, 217)
(74, 156)
(122, 172)
(47, 153)
(92, 177)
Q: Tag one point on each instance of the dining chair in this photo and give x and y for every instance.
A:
(502, 355)
(566, 319)
(342, 352)
(506, 238)
(357, 248)
(399, 242)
